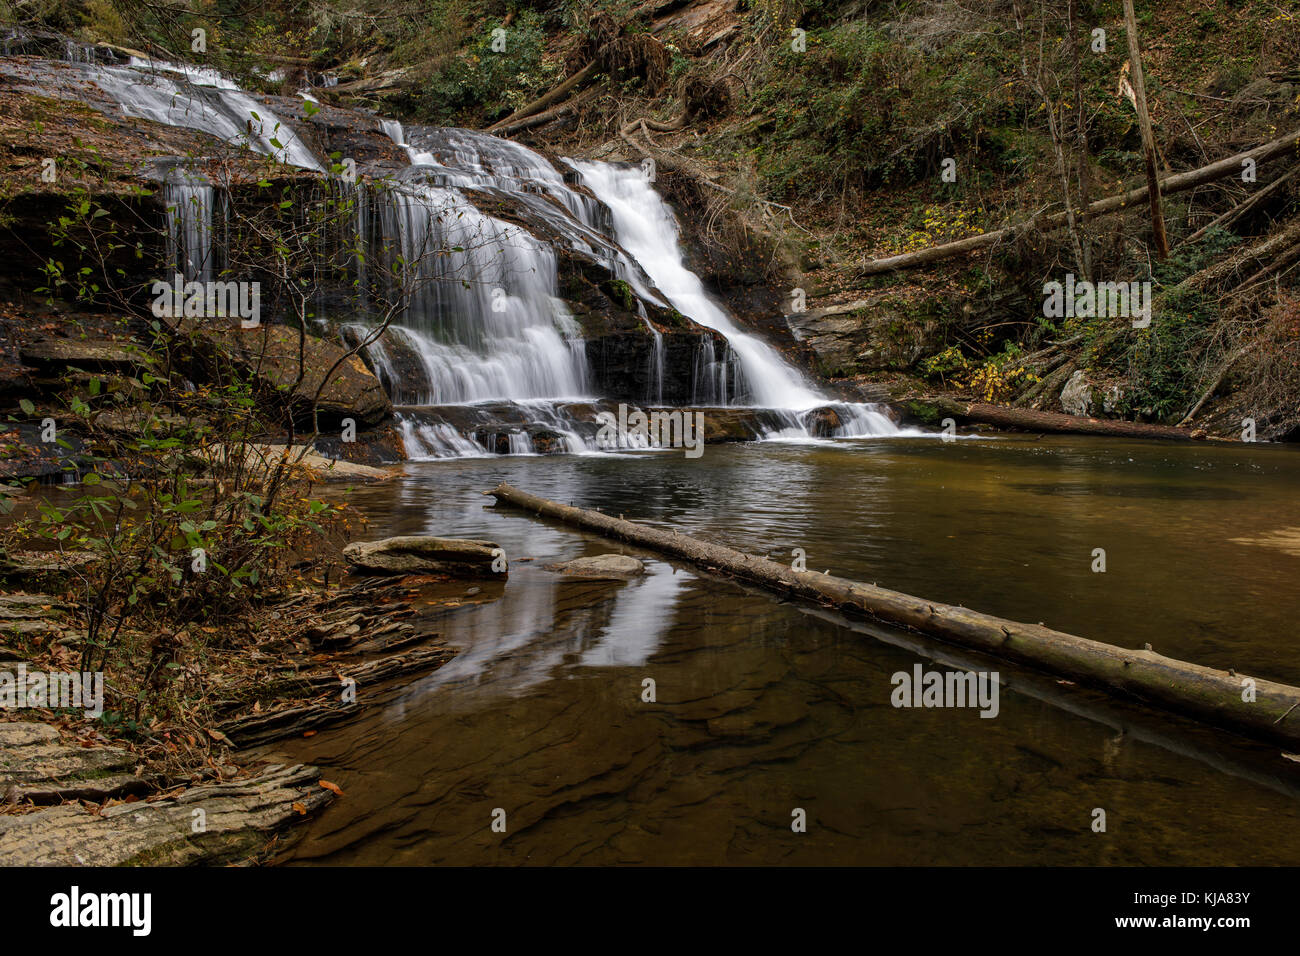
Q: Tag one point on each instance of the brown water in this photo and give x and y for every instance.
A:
(764, 707)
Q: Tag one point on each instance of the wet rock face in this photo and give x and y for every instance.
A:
(876, 337)
(423, 554)
(823, 422)
(406, 379)
(380, 446)
(620, 349)
(24, 453)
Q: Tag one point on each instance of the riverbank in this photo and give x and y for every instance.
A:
(95, 784)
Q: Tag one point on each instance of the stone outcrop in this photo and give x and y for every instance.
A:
(36, 765)
(869, 335)
(1082, 397)
(103, 355)
(232, 822)
(295, 374)
(422, 554)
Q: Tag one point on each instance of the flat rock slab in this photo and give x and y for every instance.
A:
(88, 354)
(324, 469)
(237, 822)
(416, 554)
(36, 764)
(601, 567)
(40, 568)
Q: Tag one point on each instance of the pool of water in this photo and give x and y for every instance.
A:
(763, 708)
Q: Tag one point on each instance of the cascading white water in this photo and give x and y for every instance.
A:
(187, 196)
(480, 304)
(480, 311)
(645, 227)
(458, 159)
(201, 99)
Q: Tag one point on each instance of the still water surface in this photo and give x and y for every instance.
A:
(763, 707)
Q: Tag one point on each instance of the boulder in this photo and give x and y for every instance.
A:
(823, 422)
(270, 354)
(421, 554)
(1082, 396)
(1076, 396)
(601, 567)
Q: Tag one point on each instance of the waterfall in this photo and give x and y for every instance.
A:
(201, 99)
(480, 303)
(709, 376)
(645, 227)
(483, 356)
(187, 196)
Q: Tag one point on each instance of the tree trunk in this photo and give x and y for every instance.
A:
(1172, 184)
(1243, 207)
(1032, 420)
(547, 99)
(1210, 695)
(1080, 135)
(1144, 123)
(540, 119)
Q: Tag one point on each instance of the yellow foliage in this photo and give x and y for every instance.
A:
(943, 224)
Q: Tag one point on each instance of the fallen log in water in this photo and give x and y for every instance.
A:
(1032, 420)
(1251, 706)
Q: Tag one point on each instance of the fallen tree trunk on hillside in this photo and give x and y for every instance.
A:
(540, 119)
(1214, 696)
(546, 99)
(1243, 207)
(388, 80)
(1102, 207)
(1032, 420)
(1268, 251)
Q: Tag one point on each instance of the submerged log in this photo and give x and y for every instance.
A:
(1250, 706)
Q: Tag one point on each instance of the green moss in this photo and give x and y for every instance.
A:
(620, 292)
(923, 411)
